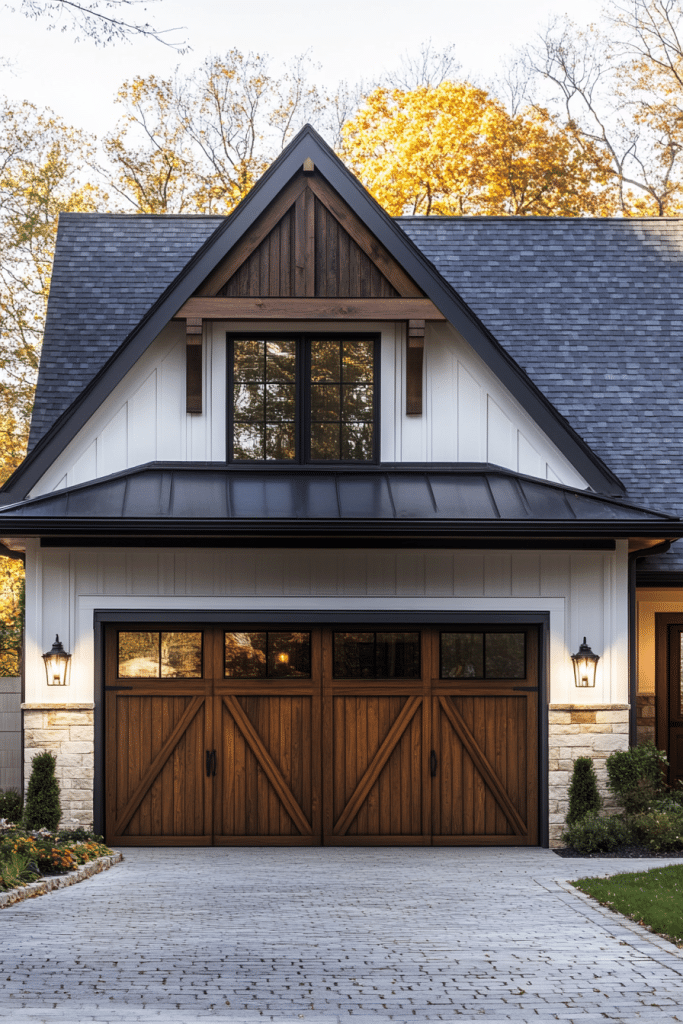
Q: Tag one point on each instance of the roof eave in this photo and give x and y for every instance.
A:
(42, 526)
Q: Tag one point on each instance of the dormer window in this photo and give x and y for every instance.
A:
(310, 399)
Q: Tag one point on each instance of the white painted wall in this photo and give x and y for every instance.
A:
(469, 416)
(585, 593)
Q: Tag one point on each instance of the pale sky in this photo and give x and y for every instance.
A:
(351, 39)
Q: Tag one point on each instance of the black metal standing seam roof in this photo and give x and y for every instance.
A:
(210, 496)
(592, 310)
(110, 271)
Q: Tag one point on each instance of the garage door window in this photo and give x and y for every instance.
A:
(376, 655)
(483, 656)
(267, 655)
(160, 655)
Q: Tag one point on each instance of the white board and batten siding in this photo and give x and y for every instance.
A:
(584, 593)
(469, 416)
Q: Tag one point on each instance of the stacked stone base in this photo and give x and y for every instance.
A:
(66, 730)
(577, 730)
(645, 717)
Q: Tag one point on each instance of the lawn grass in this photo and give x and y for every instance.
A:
(653, 898)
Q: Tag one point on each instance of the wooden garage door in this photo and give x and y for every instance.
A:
(347, 737)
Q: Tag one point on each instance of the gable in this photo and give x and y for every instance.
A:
(309, 244)
(332, 205)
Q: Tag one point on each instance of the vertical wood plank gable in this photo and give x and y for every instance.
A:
(308, 254)
(299, 290)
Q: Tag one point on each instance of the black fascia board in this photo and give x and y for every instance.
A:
(309, 144)
(42, 526)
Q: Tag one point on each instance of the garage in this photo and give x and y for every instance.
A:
(252, 735)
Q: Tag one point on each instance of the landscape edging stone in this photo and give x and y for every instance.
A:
(53, 882)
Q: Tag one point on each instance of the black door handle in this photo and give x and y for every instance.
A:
(433, 763)
(214, 762)
(208, 763)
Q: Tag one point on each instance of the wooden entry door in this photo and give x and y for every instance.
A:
(670, 693)
(345, 737)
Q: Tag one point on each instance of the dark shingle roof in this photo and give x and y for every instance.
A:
(593, 311)
(458, 499)
(109, 270)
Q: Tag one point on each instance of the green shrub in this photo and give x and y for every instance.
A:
(583, 791)
(43, 809)
(636, 776)
(11, 805)
(78, 835)
(660, 831)
(592, 834)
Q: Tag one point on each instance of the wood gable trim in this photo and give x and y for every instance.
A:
(309, 244)
(309, 309)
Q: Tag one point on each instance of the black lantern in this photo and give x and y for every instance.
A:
(57, 664)
(585, 664)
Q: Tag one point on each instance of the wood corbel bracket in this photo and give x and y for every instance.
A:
(193, 364)
(414, 363)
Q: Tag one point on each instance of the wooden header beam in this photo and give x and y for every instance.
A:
(309, 309)
(414, 362)
(193, 365)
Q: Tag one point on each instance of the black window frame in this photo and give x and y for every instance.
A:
(483, 629)
(302, 421)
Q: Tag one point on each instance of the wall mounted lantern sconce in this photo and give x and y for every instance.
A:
(585, 665)
(57, 663)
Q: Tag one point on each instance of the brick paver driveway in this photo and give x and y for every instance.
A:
(323, 935)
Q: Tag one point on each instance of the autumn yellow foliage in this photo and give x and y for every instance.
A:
(454, 149)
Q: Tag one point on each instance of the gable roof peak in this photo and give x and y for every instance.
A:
(220, 238)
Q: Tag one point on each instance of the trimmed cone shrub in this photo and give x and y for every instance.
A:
(43, 809)
(636, 776)
(583, 791)
(11, 805)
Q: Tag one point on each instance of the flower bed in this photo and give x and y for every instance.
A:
(27, 856)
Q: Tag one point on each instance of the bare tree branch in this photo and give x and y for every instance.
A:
(104, 22)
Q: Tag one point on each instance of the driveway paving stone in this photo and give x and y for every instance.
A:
(334, 935)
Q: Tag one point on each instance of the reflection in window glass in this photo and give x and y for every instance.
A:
(462, 655)
(138, 655)
(483, 655)
(342, 400)
(181, 655)
(505, 656)
(143, 654)
(376, 656)
(268, 655)
(264, 399)
(289, 655)
(245, 655)
(354, 655)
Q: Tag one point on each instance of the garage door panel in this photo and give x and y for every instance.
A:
(265, 766)
(375, 761)
(160, 789)
(486, 774)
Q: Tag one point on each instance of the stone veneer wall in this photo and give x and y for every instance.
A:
(577, 730)
(66, 730)
(645, 717)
